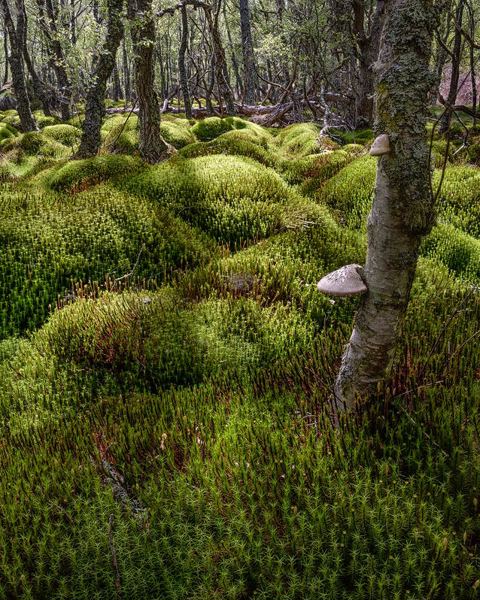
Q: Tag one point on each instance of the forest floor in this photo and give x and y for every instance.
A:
(166, 368)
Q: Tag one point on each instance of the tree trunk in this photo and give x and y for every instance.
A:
(182, 69)
(402, 211)
(17, 37)
(40, 91)
(455, 73)
(102, 70)
(49, 27)
(117, 87)
(152, 146)
(368, 43)
(5, 51)
(248, 56)
(221, 71)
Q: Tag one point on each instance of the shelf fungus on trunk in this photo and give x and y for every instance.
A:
(380, 146)
(347, 281)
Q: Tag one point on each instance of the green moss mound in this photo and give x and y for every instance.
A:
(349, 193)
(51, 244)
(211, 127)
(233, 199)
(241, 142)
(78, 175)
(7, 131)
(456, 250)
(302, 139)
(68, 135)
(177, 133)
(459, 199)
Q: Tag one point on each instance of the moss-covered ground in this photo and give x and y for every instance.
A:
(166, 367)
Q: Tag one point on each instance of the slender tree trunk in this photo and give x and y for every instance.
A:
(249, 79)
(40, 91)
(126, 72)
(17, 37)
(5, 50)
(48, 24)
(117, 87)
(221, 71)
(182, 69)
(455, 73)
(102, 70)
(152, 146)
(402, 211)
(368, 43)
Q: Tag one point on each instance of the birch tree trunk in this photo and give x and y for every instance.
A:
(402, 211)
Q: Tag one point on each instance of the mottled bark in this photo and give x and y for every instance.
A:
(152, 146)
(367, 36)
(402, 211)
(40, 91)
(182, 69)
(249, 79)
(17, 38)
(102, 70)
(48, 25)
(221, 71)
(456, 58)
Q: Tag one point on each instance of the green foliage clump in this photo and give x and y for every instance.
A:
(78, 175)
(358, 136)
(51, 244)
(455, 249)
(302, 139)
(349, 193)
(33, 143)
(313, 170)
(211, 127)
(43, 120)
(241, 142)
(459, 200)
(177, 133)
(233, 199)
(7, 131)
(68, 135)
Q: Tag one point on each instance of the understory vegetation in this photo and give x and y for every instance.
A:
(166, 366)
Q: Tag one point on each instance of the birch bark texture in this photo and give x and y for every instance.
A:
(403, 206)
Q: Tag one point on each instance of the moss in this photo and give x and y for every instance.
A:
(349, 193)
(211, 127)
(177, 133)
(7, 131)
(34, 143)
(233, 199)
(455, 249)
(78, 175)
(87, 237)
(236, 143)
(459, 200)
(68, 135)
(300, 140)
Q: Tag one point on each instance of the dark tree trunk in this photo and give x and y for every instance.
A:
(17, 37)
(5, 51)
(39, 88)
(117, 87)
(102, 70)
(402, 211)
(182, 69)
(249, 83)
(126, 72)
(455, 73)
(48, 24)
(152, 146)
(221, 71)
(368, 41)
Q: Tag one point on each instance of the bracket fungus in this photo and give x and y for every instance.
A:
(380, 146)
(346, 281)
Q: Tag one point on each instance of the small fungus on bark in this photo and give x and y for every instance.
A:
(346, 281)
(380, 146)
